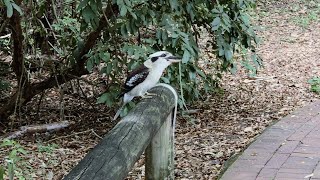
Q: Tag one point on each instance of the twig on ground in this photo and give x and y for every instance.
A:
(77, 133)
(85, 96)
(39, 103)
(96, 134)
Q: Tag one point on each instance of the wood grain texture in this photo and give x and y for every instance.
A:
(160, 153)
(117, 152)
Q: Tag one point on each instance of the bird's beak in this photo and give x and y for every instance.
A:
(174, 59)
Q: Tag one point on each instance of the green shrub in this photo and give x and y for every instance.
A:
(127, 32)
(15, 165)
(315, 84)
(143, 27)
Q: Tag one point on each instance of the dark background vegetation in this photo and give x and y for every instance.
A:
(53, 42)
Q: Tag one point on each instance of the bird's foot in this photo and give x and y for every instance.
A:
(148, 95)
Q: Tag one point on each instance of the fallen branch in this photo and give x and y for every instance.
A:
(5, 36)
(37, 129)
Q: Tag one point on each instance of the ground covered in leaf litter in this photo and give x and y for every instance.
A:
(227, 124)
(223, 125)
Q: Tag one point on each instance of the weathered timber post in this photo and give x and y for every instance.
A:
(160, 153)
(115, 155)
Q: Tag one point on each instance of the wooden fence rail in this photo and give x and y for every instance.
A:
(148, 125)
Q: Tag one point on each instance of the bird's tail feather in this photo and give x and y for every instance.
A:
(118, 112)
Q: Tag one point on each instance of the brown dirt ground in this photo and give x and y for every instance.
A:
(224, 125)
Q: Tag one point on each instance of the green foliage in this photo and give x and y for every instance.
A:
(16, 166)
(315, 84)
(136, 29)
(11, 5)
(47, 148)
(2, 173)
(312, 12)
(5, 45)
(3, 85)
(144, 27)
(305, 21)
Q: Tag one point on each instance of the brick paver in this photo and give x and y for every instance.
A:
(288, 150)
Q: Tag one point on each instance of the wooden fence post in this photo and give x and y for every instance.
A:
(160, 153)
(118, 151)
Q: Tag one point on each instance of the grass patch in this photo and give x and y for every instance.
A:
(315, 84)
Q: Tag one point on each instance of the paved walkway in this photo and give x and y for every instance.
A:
(290, 149)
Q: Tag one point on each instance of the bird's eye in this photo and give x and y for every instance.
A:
(153, 59)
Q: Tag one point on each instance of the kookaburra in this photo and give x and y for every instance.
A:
(140, 80)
